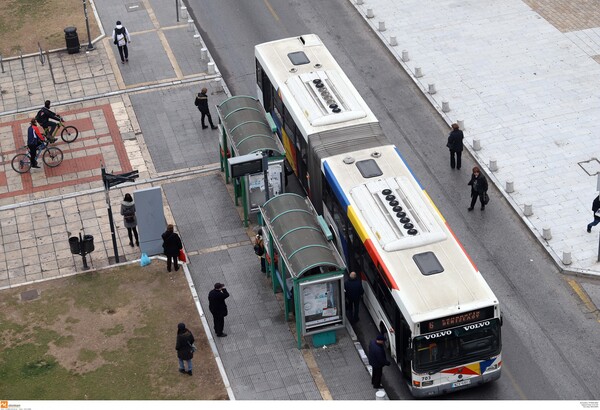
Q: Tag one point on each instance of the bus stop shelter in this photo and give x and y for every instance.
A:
(304, 262)
(248, 129)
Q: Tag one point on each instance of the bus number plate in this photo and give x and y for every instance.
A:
(461, 383)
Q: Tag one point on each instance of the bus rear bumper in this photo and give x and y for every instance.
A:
(448, 388)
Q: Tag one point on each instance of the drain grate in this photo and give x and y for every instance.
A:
(591, 167)
(30, 295)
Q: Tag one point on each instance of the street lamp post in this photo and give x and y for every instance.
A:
(90, 46)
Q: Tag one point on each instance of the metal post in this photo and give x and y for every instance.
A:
(598, 249)
(110, 217)
(90, 46)
(177, 9)
(265, 161)
(82, 252)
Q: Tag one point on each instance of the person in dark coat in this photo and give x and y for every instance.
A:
(202, 104)
(129, 219)
(596, 210)
(171, 245)
(218, 307)
(479, 186)
(34, 140)
(354, 291)
(455, 145)
(377, 359)
(185, 348)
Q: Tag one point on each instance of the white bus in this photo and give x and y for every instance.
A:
(441, 319)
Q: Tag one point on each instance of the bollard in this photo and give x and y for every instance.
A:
(431, 89)
(183, 12)
(566, 259)
(381, 26)
(510, 187)
(405, 57)
(445, 106)
(197, 41)
(546, 233)
(203, 53)
(218, 86)
(418, 72)
(476, 144)
(359, 2)
(493, 165)
(393, 41)
(191, 27)
(461, 124)
(211, 68)
(380, 395)
(370, 14)
(528, 210)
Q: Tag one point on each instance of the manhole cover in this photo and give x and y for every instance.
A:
(592, 167)
(131, 7)
(30, 295)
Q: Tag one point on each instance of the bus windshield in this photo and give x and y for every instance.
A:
(456, 346)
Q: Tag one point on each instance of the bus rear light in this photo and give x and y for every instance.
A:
(416, 383)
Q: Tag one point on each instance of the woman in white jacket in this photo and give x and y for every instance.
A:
(121, 39)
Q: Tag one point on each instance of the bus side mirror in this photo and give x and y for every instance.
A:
(501, 320)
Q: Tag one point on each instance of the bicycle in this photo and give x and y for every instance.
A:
(68, 134)
(52, 157)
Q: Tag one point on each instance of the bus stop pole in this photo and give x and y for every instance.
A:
(265, 161)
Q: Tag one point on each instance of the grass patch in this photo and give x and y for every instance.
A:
(24, 23)
(103, 335)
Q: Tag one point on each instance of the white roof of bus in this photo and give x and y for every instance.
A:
(309, 101)
(460, 287)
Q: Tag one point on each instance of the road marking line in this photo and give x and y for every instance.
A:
(514, 382)
(592, 308)
(275, 16)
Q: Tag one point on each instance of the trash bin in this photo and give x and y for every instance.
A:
(72, 40)
(74, 245)
(88, 243)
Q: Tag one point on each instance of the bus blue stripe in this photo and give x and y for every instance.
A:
(335, 186)
(409, 170)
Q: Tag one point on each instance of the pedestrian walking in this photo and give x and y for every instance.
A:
(129, 219)
(218, 307)
(202, 104)
(171, 245)
(34, 140)
(479, 187)
(377, 359)
(596, 210)
(121, 39)
(354, 291)
(185, 348)
(455, 145)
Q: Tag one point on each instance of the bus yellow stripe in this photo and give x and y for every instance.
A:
(357, 225)
(434, 207)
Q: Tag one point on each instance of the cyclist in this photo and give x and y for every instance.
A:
(43, 118)
(34, 140)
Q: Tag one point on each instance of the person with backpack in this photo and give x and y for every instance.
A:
(121, 39)
(129, 219)
(34, 140)
(202, 103)
(43, 117)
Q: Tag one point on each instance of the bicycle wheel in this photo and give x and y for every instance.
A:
(21, 163)
(69, 134)
(52, 157)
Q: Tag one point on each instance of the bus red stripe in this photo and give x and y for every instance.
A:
(378, 262)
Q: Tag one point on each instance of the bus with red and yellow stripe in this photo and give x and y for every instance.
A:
(441, 319)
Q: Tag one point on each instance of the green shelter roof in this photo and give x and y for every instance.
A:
(246, 125)
(297, 233)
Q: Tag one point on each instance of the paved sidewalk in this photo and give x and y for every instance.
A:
(524, 76)
(140, 115)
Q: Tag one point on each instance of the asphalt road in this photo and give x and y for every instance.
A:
(550, 341)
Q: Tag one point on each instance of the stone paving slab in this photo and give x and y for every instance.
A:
(525, 90)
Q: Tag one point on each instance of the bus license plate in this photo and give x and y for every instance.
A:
(461, 383)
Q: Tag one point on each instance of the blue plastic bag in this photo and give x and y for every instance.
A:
(145, 260)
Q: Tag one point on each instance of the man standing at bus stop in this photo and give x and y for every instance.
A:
(377, 360)
(354, 291)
